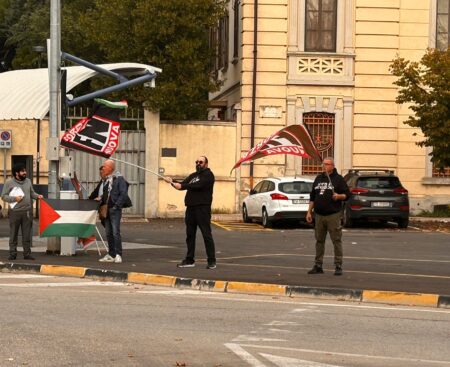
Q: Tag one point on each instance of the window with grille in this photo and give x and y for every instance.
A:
(218, 42)
(441, 173)
(321, 128)
(236, 30)
(320, 25)
(442, 25)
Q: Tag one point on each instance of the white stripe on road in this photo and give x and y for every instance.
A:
(244, 355)
(293, 362)
(24, 276)
(353, 355)
(74, 284)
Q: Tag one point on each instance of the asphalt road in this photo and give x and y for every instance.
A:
(53, 321)
(375, 258)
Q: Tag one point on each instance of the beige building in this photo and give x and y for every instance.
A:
(325, 64)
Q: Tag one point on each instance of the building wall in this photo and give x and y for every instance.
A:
(24, 142)
(191, 139)
(370, 129)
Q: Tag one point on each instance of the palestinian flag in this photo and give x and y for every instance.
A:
(67, 218)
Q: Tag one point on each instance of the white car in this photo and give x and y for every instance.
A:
(275, 199)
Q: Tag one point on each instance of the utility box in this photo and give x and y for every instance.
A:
(68, 244)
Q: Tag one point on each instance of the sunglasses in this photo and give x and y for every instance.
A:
(199, 162)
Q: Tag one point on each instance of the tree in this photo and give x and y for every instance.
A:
(426, 85)
(169, 34)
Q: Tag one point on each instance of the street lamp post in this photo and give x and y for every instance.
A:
(40, 50)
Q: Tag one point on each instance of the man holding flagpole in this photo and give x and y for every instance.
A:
(328, 192)
(199, 186)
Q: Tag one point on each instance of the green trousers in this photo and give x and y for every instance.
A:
(328, 224)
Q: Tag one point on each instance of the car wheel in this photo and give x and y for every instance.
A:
(245, 216)
(266, 222)
(346, 220)
(403, 222)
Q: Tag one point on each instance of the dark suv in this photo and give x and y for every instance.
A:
(376, 195)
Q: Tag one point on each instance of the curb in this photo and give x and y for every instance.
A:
(338, 294)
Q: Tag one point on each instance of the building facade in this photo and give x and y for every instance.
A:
(325, 64)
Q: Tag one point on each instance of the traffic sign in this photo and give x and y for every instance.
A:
(5, 139)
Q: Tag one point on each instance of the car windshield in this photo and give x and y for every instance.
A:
(378, 182)
(298, 187)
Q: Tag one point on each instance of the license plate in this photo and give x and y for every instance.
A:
(300, 201)
(381, 204)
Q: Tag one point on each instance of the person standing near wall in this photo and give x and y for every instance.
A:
(198, 200)
(112, 191)
(328, 192)
(19, 193)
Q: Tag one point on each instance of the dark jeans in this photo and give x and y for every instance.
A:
(199, 216)
(328, 224)
(24, 220)
(112, 229)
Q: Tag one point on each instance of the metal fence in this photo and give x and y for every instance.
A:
(131, 149)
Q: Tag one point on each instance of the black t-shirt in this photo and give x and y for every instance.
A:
(199, 186)
(322, 193)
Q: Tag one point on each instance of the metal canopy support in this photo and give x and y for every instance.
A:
(123, 82)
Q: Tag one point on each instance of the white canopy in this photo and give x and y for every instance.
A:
(24, 94)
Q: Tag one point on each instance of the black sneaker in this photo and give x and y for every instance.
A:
(338, 270)
(11, 257)
(186, 264)
(211, 266)
(28, 257)
(316, 270)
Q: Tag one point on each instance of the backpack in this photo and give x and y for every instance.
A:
(127, 203)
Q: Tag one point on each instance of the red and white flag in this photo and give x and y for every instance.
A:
(293, 139)
(99, 133)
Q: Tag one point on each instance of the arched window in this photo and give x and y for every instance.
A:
(321, 128)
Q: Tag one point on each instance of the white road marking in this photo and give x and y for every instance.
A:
(246, 338)
(293, 362)
(353, 355)
(175, 291)
(74, 284)
(244, 355)
(281, 323)
(24, 276)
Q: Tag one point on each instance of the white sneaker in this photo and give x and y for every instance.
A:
(107, 259)
(118, 259)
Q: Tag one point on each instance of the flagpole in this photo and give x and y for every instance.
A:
(135, 165)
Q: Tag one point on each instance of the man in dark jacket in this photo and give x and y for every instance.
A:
(19, 193)
(113, 191)
(328, 192)
(198, 199)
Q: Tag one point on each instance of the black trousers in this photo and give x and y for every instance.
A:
(199, 216)
(20, 220)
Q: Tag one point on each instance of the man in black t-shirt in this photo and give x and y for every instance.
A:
(328, 192)
(198, 199)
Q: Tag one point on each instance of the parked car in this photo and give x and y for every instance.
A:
(275, 199)
(376, 195)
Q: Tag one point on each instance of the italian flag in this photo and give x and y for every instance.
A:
(67, 218)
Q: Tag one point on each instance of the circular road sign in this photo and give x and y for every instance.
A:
(5, 135)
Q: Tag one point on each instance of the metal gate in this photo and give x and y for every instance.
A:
(321, 128)
(131, 149)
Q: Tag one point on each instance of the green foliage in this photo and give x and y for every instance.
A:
(169, 34)
(426, 85)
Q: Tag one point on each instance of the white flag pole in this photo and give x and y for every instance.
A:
(135, 165)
